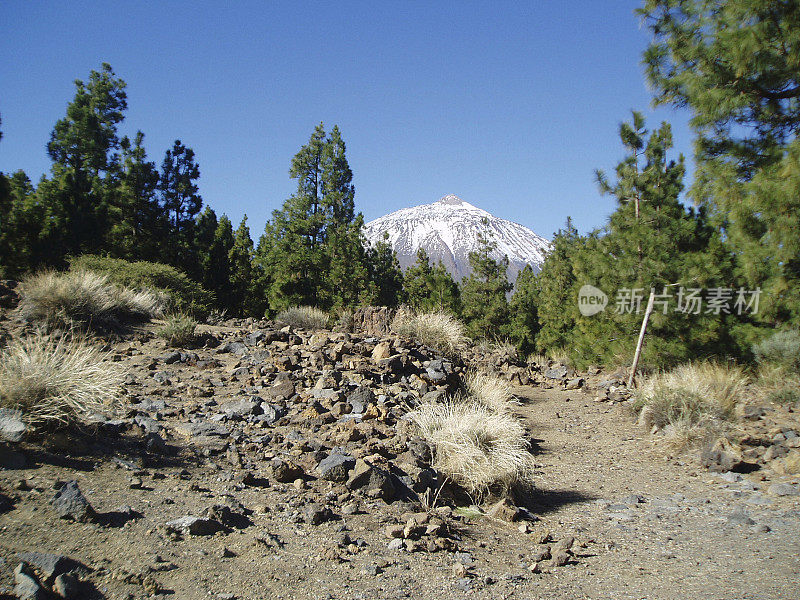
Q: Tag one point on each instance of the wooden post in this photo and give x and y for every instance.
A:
(639, 344)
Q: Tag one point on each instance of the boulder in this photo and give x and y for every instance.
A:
(335, 466)
(70, 503)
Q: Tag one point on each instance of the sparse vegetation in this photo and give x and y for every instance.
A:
(183, 294)
(303, 317)
(84, 298)
(482, 450)
(691, 402)
(438, 330)
(56, 380)
(488, 390)
(178, 330)
(782, 349)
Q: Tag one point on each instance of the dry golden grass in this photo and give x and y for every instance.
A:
(488, 390)
(56, 380)
(303, 317)
(693, 402)
(83, 298)
(480, 449)
(438, 330)
(777, 384)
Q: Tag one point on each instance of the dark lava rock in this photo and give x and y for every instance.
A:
(70, 503)
(51, 566)
(284, 472)
(372, 478)
(360, 398)
(27, 586)
(336, 466)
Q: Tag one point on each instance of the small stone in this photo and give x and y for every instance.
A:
(560, 558)
(66, 586)
(564, 545)
(50, 565)
(381, 351)
(543, 537)
(534, 568)
(740, 517)
(70, 503)
(12, 428)
(396, 544)
(316, 514)
(505, 510)
(27, 587)
(371, 570)
(541, 554)
(784, 489)
(195, 526)
(394, 531)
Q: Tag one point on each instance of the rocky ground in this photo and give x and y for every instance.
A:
(277, 464)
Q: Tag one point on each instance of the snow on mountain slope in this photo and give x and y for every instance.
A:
(449, 229)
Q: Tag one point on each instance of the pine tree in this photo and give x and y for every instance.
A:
(484, 294)
(524, 313)
(213, 242)
(83, 147)
(650, 242)
(312, 251)
(240, 258)
(138, 222)
(179, 197)
(555, 292)
(430, 288)
(385, 274)
(735, 65)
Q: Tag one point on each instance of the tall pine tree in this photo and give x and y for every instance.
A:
(312, 251)
(484, 294)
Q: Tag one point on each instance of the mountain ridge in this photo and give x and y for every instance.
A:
(449, 230)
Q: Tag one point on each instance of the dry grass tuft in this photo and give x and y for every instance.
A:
(84, 298)
(56, 380)
(438, 330)
(482, 450)
(303, 317)
(489, 390)
(179, 330)
(693, 402)
(777, 384)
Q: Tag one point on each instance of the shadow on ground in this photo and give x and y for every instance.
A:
(541, 502)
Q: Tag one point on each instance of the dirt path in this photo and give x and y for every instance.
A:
(664, 528)
(645, 527)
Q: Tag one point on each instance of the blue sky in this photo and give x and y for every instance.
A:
(509, 105)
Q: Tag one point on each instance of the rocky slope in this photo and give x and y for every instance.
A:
(277, 463)
(449, 230)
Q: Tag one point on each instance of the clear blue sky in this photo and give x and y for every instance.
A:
(509, 105)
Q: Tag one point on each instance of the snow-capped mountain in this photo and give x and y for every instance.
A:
(449, 230)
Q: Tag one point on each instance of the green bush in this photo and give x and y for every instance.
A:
(84, 299)
(179, 330)
(185, 295)
(781, 349)
(303, 317)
